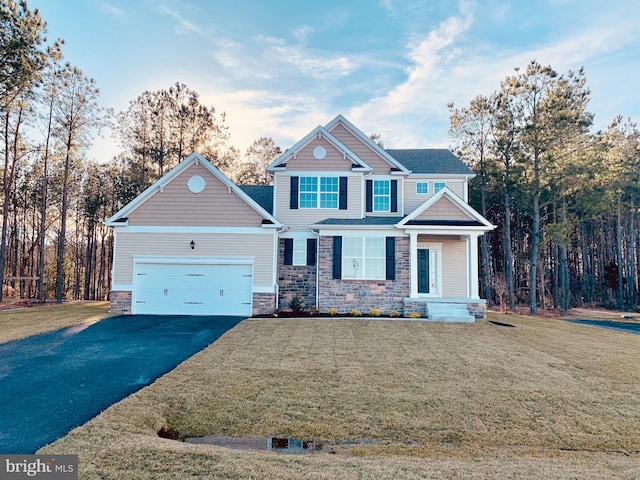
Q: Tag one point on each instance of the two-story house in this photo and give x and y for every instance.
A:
(346, 225)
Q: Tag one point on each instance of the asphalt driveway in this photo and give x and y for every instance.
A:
(53, 382)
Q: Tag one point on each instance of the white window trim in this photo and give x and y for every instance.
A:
(318, 192)
(299, 248)
(422, 183)
(364, 257)
(373, 195)
(435, 251)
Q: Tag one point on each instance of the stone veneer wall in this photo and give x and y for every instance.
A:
(295, 280)
(263, 303)
(120, 302)
(363, 295)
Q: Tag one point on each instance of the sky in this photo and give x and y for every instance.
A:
(279, 68)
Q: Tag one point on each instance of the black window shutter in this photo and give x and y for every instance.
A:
(391, 258)
(369, 196)
(288, 251)
(337, 257)
(343, 193)
(394, 195)
(311, 251)
(293, 195)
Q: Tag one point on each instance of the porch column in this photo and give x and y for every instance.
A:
(413, 264)
(473, 266)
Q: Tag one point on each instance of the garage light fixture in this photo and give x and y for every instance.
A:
(193, 245)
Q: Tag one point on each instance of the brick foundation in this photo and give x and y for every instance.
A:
(120, 302)
(263, 303)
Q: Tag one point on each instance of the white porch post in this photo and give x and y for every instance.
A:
(413, 263)
(473, 266)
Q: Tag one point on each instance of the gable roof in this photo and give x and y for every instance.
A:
(119, 218)
(430, 161)
(261, 194)
(318, 132)
(475, 219)
(366, 140)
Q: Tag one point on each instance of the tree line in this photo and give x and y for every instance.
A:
(563, 198)
(53, 243)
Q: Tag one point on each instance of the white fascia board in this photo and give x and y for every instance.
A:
(365, 139)
(206, 230)
(446, 229)
(359, 231)
(443, 176)
(305, 234)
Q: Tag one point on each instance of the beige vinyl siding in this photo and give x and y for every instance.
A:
(257, 246)
(443, 209)
(379, 165)
(454, 269)
(412, 200)
(454, 264)
(176, 205)
(303, 217)
(332, 162)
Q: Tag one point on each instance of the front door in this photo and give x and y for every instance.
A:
(423, 270)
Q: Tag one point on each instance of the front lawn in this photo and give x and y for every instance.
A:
(27, 321)
(403, 399)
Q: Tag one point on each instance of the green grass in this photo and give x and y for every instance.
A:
(546, 399)
(24, 322)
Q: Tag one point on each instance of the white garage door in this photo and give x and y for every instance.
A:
(181, 289)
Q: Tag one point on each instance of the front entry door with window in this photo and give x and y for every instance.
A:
(429, 269)
(423, 270)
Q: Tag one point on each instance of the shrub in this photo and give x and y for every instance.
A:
(374, 312)
(296, 304)
(394, 314)
(414, 315)
(355, 312)
(332, 311)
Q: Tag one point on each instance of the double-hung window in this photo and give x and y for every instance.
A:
(437, 186)
(319, 192)
(363, 258)
(329, 189)
(381, 195)
(299, 251)
(308, 192)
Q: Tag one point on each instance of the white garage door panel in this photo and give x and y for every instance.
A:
(179, 289)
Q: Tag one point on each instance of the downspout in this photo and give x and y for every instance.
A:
(317, 234)
(275, 255)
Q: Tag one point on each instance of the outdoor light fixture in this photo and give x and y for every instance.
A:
(193, 245)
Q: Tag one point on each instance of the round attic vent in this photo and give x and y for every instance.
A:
(319, 153)
(196, 184)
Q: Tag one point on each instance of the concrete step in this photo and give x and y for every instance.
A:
(449, 312)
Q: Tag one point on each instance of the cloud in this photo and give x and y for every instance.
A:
(112, 11)
(445, 68)
(184, 25)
